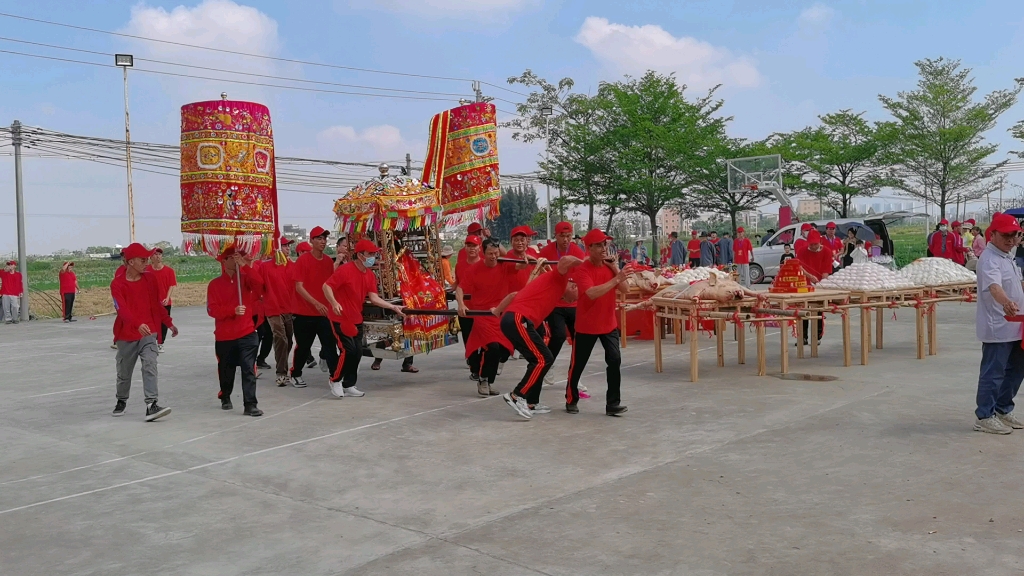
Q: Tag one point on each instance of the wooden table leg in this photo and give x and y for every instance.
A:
(933, 328)
(847, 360)
(677, 327)
(693, 350)
(762, 363)
(919, 321)
(736, 332)
(657, 342)
(741, 345)
(813, 326)
(871, 341)
(622, 325)
(720, 341)
(784, 338)
(879, 318)
(800, 337)
(865, 336)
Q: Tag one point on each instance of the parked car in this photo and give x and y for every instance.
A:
(766, 258)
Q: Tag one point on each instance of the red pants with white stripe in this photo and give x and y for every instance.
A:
(523, 335)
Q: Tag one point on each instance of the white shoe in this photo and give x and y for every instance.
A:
(160, 349)
(352, 391)
(323, 366)
(298, 382)
(549, 380)
(483, 389)
(1010, 420)
(582, 388)
(112, 346)
(500, 366)
(992, 425)
(518, 404)
(336, 389)
(541, 409)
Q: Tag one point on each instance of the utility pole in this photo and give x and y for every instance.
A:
(408, 164)
(126, 61)
(19, 198)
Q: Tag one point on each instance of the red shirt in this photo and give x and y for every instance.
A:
(120, 272)
(693, 247)
(594, 316)
(518, 278)
(834, 243)
(222, 299)
(137, 303)
(742, 251)
(462, 263)
(277, 288)
(551, 253)
(539, 298)
(68, 282)
(799, 243)
(818, 263)
(350, 287)
(943, 244)
(487, 286)
(165, 278)
(312, 273)
(10, 283)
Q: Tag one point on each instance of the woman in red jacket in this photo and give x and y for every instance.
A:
(68, 289)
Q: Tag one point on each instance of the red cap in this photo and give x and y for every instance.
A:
(474, 228)
(472, 240)
(955, 223)
(693, 232)
(595, 236)
(814, 237)
(285, 241)
(943, 221)
(970, 221)
(524, 230)
(805, 226)
(830, 225)
(317, 232)
(227, 253)
(365, 245)
(158, 249)
(563, 227)
(136, 250)
(303, 247)
(1005, 223)
(740, 229)
(12, 263)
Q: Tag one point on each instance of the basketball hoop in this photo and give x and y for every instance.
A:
(751, 187)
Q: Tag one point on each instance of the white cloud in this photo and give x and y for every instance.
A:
(816, 16)
(372, 143)
(481, 9)
(636, 49)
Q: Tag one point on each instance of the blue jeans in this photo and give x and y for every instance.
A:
(1002, 370)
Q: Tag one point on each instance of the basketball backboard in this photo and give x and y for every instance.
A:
(757, 172)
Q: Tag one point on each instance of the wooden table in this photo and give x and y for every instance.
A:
(635, 296)
(819, 302)
(955, 292)
(880, 301)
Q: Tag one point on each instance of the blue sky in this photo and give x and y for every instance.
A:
(780, 63)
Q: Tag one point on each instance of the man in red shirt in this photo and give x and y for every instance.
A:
(234, 331)
(166, 282)
(596, 282)
(345, 291)
(277, 297)
(475, 230)
(519, 322)
(959, 250)
(743, 253)
(68, 288)
(294, 304)
(817, 259)
(693, 249)
(562, 320)
(139, 317)
(471, 249)
(943, 244)
(487, 282)
(834, 243)
(521, 250)
(310, 320)
(800, 242)
(11, 290)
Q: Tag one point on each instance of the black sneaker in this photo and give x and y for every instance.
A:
(225, 404)
(572, 409)
(262, 365)
(311, 363)
(614, 410)
(252, 411)
(154, 411)
(119, 408)
(474, 377)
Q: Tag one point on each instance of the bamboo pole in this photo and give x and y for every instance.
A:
(800, 337)
(657, 343)
(813, 326)
(622, 325)
(762, 362)
(720, 341)
(741, 345)
(847, 360)
(677, 329)
(693, 352)
(784, 338)
(919, 321)
(879, 319)
(864, 336)
(933, 345)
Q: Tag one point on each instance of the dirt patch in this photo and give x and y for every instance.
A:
(97, 301)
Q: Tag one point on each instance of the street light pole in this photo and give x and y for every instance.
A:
(19, 200)
(126, 61)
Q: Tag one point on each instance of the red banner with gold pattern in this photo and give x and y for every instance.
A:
(422, 292)
(228, 183)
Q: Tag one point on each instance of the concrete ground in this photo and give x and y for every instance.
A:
(877, 472)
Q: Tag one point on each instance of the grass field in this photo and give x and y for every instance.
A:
(42, 274)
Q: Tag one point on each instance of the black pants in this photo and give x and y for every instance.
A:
(346, 369)
(68, 302)
(582, 346)
(239, 353)
(163, 327)
(308, 328)
(694, 262)
(524, 337)
(807, 329)
(473, 360)
(266, 337)
(489, 358)
(562, 322)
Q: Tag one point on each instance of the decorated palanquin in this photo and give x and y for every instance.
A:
(228, 185)
(402, 215)
(462, 162)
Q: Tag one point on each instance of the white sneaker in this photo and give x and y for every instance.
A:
(160, 349)
(1010, 420)
(549, 380)
(582, 388)
(298, 382)
(336, 389)
(541, 409)
(992, 425)
(352, 391)
(112, 346)
(500, 366)
(483, 389)
(518, 404)
(323, 366)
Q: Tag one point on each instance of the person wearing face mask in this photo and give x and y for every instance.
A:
(310, 321)
(801, 242)
(562, 319)
(346, 291)
(943, 242)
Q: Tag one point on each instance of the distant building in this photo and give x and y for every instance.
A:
(808, 207)
(670, 221)
(293, 232)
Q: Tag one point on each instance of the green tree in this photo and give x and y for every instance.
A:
(836, 161)
(659, 142)
(1018, 132)
(935, 147)
(711, 183)
(518, 207)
